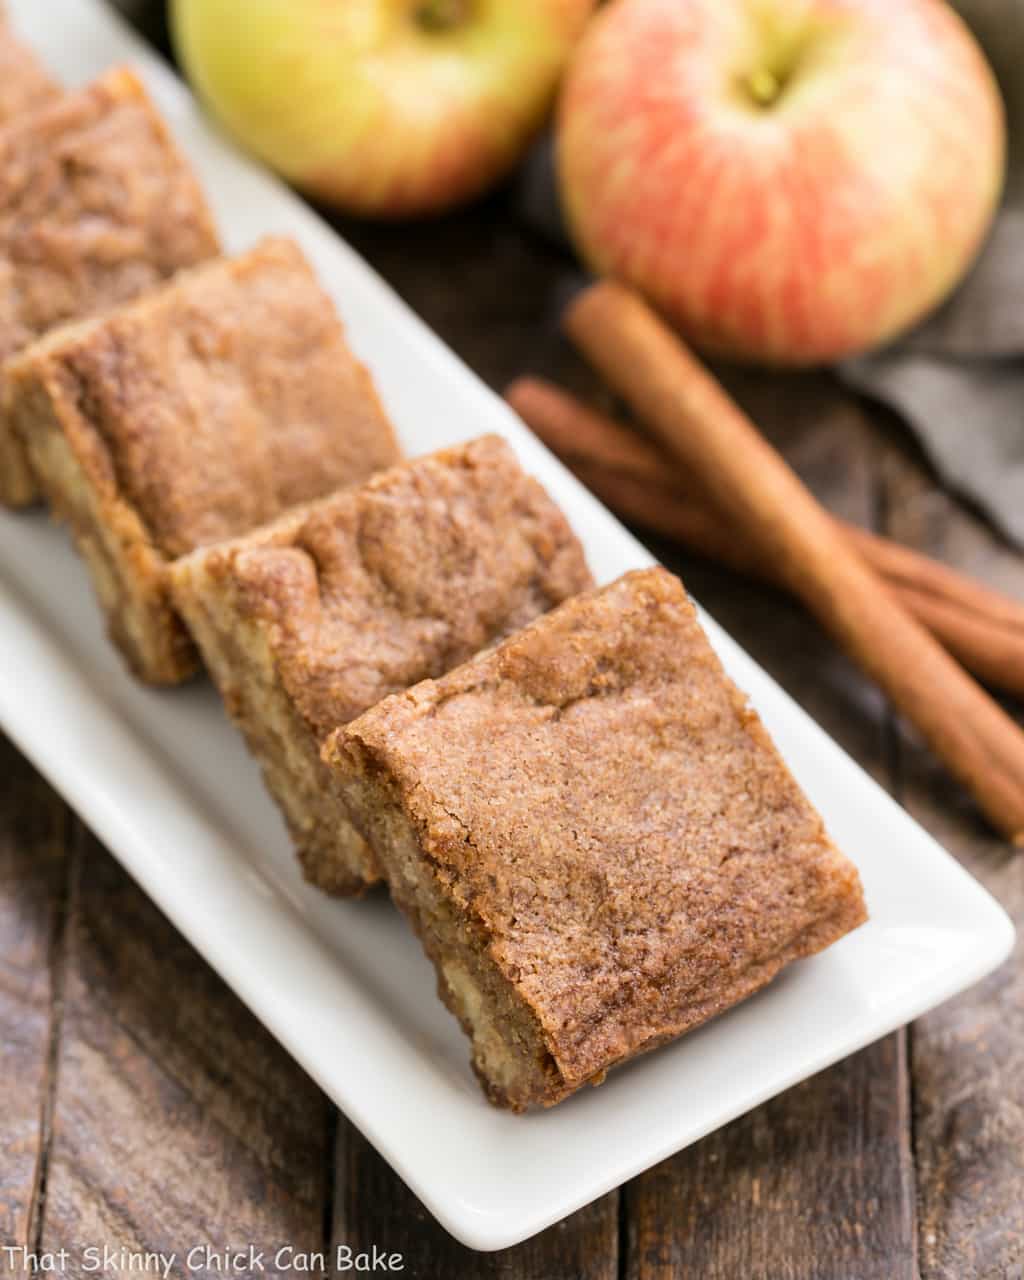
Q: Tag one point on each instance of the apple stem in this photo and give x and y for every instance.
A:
(763, 86)
(441, 15)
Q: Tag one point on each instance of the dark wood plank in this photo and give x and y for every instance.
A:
(489, 287)
(178, 1120)
(818, 1182)
(374, 1207)
(34, 827)
(967, 1057)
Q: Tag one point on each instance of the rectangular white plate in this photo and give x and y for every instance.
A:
(163, 780)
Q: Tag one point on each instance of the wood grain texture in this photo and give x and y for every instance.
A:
(815, 1184)
(34, 860)
(967, 1056)
(819, 1182)
(178, 1120)
(373, 1206)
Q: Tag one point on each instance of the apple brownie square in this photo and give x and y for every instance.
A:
(594, 837)
(307, 623)
(202, 410)
(96, 206)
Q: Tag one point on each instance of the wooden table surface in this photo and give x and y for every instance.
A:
(143, 1107)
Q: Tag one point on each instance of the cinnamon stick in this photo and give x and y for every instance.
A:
(713, 440)
(981, 628)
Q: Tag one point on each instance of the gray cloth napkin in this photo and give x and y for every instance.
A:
(958, 378)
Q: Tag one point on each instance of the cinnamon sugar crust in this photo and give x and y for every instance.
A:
(594, 836)
(194, 414)
(307, 623)
(96, 206)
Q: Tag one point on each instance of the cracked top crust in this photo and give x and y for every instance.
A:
(372, 589)
(217, 402)
(96, 206)
(595, 797)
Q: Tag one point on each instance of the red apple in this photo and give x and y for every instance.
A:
(381, 107)
(789, 180)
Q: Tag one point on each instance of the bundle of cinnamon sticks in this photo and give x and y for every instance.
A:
(710, 480)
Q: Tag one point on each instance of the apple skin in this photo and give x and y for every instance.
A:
(365, 106)
(791, 181)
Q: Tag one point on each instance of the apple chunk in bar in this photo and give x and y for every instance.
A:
(194, 414)
(97, 205)
(307, 623)
(594, 837)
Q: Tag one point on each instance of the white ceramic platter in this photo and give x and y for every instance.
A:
(165, 783)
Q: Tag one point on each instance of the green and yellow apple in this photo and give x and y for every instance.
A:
(789, 180)
(384, 108)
